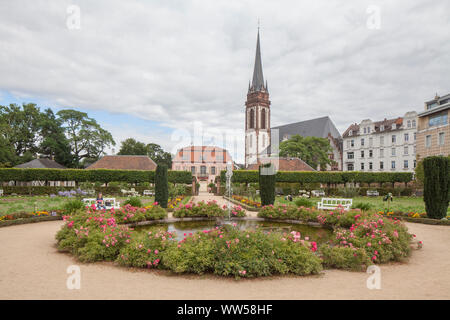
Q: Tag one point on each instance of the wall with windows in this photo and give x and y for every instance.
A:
(382, 146)
(433, 136)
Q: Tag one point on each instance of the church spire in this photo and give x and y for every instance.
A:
(258, 78)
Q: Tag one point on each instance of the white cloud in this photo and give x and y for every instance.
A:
(177, 62)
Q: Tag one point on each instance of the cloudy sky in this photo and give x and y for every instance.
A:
(156, 69)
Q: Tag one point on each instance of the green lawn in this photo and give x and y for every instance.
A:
(404, 204)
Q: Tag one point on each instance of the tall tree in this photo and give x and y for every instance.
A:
(132, 147)
(54, 142)
(22, 127)
(88, 140)
(314, 151)
(157, 154)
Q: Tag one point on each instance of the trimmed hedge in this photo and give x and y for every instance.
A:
(82, 175)
(331, 177)
(267, 185)
(436, 186)
(161, 186)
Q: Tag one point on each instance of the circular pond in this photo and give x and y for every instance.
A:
(317, 234)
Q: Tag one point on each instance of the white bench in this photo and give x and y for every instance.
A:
(372, 193)
(109, 203)
(318, 193)
(334, 203)
(131, 192)
(148, 193)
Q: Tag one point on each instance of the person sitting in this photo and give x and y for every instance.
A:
(100, 203)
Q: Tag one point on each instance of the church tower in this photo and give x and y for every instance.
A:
(257, 113)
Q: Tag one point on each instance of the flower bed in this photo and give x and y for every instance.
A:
(29, 217)
(130, 214)
(207, 210)
(247, 202)
(360, 238)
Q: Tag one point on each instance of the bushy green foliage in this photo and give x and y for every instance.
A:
(436, 186)
(332, 177)
(364, 206)
(73, 206)
(267, 184)
(133, 201)
(161, 186)
(304, 202)
(97, 175)
(344, 258)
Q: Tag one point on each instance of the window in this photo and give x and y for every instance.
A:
(393, 152)
(350, 133)
(263, 119)
(409, 124)
(203, 170)
(213, 170)
(405, 150)
(252, 118)
(414, 162)
(406, 137)
(185, 156)
(394, 126)
(431, 105)
(414, 136)
(370, 166)
(365, 130)
(392, 164)
(438, 119)
(362, 142)
(381, 165)
(414, 123)
(368, 130)
(414, 149)
(394, 138)
(362, 153)
(370, 142)
(428, 141)
(405, 164)
(350, 167)
(352, 143)
(382, 128)
(441, 138)
(193, 170)
(381, 153)
(370, 153)
(350, 155)
(362, 166)
(348, 144)
(381, 141)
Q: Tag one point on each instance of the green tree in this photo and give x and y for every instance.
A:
(132, 147)
(54, 142)
(436, 188)
(314, 151)
(21, 129)
(161, 185)
(267, 182)
(157, 154)
(88, 140)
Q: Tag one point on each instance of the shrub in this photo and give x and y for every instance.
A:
(436, 186)
(364, 206)
(73, 206)
(267, 184)
(303, 202)
(134, 202)
(201, 209)
(161, 186)
(344, 258)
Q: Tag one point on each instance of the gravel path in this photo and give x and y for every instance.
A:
(32, 268)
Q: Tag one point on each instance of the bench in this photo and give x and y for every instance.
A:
(372, 193)
(318, 193)
(148, 193)
(131, 192)
(109, 203)
(334, 203)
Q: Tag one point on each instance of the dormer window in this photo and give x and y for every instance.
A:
(394, 126)
(350, 133)
(382, 128)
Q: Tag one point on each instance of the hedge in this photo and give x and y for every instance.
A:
(82, 175)
(329, 177)
(436, 186)
(161, 185)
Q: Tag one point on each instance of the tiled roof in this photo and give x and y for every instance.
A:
(285, 164)
(387, 123)
(42, 163)
(206, 154)
(124, 163)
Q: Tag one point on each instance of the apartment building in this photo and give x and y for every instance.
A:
(381, 146)
(433, 131)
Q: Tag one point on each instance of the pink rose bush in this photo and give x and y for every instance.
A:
(206, 209)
